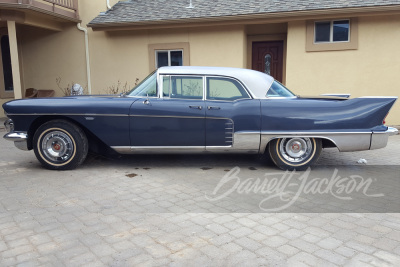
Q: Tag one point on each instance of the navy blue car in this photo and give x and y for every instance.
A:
(198, 110)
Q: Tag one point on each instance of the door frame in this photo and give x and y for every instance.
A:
(266, 38)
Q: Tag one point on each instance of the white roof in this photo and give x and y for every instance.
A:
(256, 82)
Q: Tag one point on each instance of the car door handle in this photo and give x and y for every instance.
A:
(196, 107)
(210, 107)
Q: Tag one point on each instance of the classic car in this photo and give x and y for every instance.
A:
(198, 110)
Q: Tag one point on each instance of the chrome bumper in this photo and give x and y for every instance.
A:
(20, 139)
(380, 139)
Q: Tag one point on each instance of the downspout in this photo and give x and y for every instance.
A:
(108, 4)
(87, 57)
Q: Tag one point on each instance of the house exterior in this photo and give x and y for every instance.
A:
(313, 47)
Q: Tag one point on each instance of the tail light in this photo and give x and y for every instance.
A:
(384, 119)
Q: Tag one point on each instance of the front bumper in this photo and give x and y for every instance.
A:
(20, 139)
(380, 139)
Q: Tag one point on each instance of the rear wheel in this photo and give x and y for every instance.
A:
(295, 153)
(60, 145)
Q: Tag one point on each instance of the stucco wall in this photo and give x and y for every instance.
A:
(371, 70)
(124, 55)
(2, 101)
(48, 55)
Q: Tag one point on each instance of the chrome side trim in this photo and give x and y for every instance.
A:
(19, 139)
(68, 114)
(256, 142)
(281, 97)
(182, 117)
(245, 142)
(168, 116)
(158, 149)
(344, 141)
(229, 133)
(380, 139)
(338, 95)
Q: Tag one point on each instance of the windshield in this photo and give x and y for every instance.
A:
(148, 87)
(278, 90)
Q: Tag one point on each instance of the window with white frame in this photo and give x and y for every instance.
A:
(332, 31)
(169, 58)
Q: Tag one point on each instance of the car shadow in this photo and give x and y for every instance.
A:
(182, 160)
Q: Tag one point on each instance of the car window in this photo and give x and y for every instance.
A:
(148, 87)
(278, 90)
(225, 89)
(166, 86)
(186, 87)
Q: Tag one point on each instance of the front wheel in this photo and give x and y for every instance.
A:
(60, 145)
(295, 153)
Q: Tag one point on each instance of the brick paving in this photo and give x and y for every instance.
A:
(151, 211)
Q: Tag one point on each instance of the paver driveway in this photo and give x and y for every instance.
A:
(153, 211)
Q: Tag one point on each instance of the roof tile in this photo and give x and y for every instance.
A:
(135, 11)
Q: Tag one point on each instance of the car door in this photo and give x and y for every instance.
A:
(173, 119)
(232, 116)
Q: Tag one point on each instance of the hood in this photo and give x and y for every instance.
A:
(103, 104)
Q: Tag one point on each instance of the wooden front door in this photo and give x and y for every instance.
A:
(268, 58)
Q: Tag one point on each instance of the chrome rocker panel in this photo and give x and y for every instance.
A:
(256, 142)
(243, 142)
(344, 141)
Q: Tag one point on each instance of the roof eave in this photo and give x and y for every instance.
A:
(12, 6)
(247, 19)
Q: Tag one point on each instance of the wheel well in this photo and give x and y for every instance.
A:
(95, 144)
(325, 142)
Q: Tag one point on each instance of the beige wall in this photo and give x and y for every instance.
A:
(372, 70)
(2, 101)
(47, 55)
(124, 55)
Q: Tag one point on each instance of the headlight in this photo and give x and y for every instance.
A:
(9, 125)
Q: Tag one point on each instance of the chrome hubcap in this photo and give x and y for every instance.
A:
(295, 149)
(57, 146)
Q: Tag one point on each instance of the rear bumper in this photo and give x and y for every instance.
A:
(380, 139)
